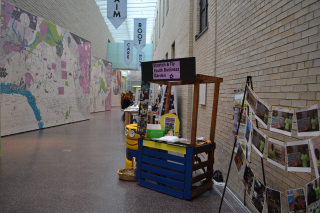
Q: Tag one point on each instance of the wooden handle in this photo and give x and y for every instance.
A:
(134, 162)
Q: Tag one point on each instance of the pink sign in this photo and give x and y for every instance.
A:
(166, 70)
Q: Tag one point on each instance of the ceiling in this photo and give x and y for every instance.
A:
(136, 9)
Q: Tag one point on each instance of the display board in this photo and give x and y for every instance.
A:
(100, 84)
(178, 69)
(44, 73)
(116, 88)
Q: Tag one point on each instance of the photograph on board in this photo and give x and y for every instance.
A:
(258, 141)
(314, 208)
(235, 119)
(258, 195)
(296, 200)
(315, 152)
(312, 192)
(262, 113)
(308, 121)
(298, 156)
(144, 91)
(276, 153)
(248, 137)
(169, 125)
(273, 201)
(239, 159)
(251, 99)
(238, 98)
(243, 124)
(237, 145)
(242, 130)
(248, 177)
(281, 121)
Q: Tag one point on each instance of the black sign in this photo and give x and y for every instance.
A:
(178, 69)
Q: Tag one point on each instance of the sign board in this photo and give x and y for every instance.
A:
(178, 69)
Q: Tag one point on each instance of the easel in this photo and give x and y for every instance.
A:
(248, 82)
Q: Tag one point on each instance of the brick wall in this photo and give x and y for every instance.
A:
(276, 42)
(81, 17)
(177, 32)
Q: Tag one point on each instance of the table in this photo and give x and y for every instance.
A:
(128, 114)
(174, 173)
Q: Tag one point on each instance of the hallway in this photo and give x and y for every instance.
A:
(73, 168)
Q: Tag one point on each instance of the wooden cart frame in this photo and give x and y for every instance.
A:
(172, 174)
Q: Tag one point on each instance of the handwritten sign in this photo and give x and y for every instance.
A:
(166, 70)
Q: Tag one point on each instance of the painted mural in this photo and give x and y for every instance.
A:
(116, 88)
(44, 73)
(100, 84)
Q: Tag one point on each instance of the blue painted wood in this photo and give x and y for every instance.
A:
(162, 180)
(131, 153)
(188, 173)
(139, 159)
(162, 189)
(163, 155)
(163, 163)
(160, 171)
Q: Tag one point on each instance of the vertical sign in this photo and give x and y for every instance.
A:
(140, 58)
(139, 33)
(203, 94)
(128, 51)
(117, 12)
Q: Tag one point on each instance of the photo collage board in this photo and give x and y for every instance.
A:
(296, 156)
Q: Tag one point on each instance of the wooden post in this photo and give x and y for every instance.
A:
(166, 110)
(213, 125)
(195, 113)
(214, 111)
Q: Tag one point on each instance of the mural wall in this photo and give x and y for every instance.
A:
(44, 73)
(123, 84)
(100, 84)
(116, 88)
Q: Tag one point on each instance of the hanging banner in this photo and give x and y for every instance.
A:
(128, 51)
(140, 58)
(117, 12)
(139, 33)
